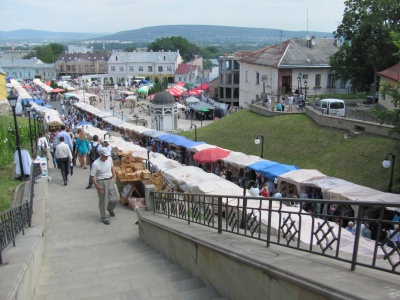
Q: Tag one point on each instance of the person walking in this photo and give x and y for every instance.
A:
(82, 147)
(64, 157)
(94, 154)
(103, 177)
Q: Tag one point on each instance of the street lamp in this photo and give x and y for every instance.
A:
(34, 113)
(28, 107)
(195, 131)
(387, 164)
(257, 141)
(12, 98)
(299, 83)
(254, 191)
(305, 91)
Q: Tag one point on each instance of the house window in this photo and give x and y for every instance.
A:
(164, 58)
(113, 69)
(305, 76)
(37, 72)
(160, 69)
(130, 68)
(169, 69)
(150, 69)
(318, 80)
(184, 78)
(257, 78)
(121, 68)
(116, 58)
(29, 74)
(179, 78)
(342, 84)
(331, 80)
(141, 68)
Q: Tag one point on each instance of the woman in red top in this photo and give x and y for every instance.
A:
(264, 192)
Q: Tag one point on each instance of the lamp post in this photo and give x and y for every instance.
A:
(12, 98)
(387, 164)
(195, 131)
(305, 91)
(28, 107)
(201, 120)
(148, 158)
(48, 122)
(254, 191)
(257, 141)
(299, 83)
(34, 113)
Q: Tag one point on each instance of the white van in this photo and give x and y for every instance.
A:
(332, 107)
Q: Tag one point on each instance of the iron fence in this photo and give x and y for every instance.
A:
(14, 221)
(316, 230)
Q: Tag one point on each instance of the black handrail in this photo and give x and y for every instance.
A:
(271, 221)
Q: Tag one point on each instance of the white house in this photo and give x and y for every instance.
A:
(124, 66)
(296, 65)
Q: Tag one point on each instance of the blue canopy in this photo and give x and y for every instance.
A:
(39, 101)
(178, 140)
(271, 169)
(84, 123)
(153, 133)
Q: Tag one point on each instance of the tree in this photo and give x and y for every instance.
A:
(49, 53)
(174, 43)
(368, 47)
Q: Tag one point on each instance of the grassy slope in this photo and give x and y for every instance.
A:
(7, 182)
(297, 140)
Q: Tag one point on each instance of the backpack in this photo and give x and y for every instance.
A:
(94, 154)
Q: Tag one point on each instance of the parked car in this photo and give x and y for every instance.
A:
(332, 107)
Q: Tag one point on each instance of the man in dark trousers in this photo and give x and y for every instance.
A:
(94, 153)
(64, 157)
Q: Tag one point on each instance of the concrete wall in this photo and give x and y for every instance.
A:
(231, 273)
(334, 122)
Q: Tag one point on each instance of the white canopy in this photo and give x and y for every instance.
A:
(240, 160)
(162, 163)
(297, 177)
(201, 147)
(113, 121)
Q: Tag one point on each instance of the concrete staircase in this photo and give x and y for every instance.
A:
(85, 259)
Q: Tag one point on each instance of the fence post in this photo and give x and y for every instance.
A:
(219, 214)
(357, 237)
(269, 222)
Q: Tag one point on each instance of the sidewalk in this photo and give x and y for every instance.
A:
(84, 258)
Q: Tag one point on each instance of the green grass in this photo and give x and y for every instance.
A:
(7, 182)
(297, 140)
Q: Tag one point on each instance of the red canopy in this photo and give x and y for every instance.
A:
(204, 87)
(194, 92)
(175, 92)
(211, 155)
(181, 83)
(57, 90)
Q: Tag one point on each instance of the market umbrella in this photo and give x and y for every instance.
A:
(57, 90)
(211, 155)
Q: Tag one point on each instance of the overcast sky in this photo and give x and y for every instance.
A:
(110, 16)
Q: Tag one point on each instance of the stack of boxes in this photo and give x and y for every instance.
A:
(131, 169)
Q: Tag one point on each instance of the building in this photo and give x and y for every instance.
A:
(14, 54)
(28, 69)
(164, 112)
(124, 66)
(296, 65)
(79, 49)
(391, 76)
(187, 73)
(3, 87)
(78, 64)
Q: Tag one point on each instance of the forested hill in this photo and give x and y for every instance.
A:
(209, 34)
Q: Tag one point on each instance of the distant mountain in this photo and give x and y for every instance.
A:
(209, 34)
(30, 35)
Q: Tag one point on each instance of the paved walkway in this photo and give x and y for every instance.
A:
(84, 258)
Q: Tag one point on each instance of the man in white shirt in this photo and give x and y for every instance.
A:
(103, 177)
(64, 157)
(106, 144)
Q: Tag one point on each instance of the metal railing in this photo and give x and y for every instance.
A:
(13, 221)
(316, 231)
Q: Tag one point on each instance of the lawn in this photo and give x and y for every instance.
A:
(297, 140)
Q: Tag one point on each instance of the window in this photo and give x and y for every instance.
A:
(164, 58)
(305, 76)
(318, 80)
(331, 80)
(141, 68)
(246, 78)
(121, 68)
(37, 72)
(342, 84)
(184, 78)
(169, 69)
(116, 58)
(160, 69)
(130, 68)
(149, 69)
(179, 78)
(257, 78)
(29, 74)
(112, 68)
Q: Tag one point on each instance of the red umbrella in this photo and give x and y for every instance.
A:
(211, 155)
